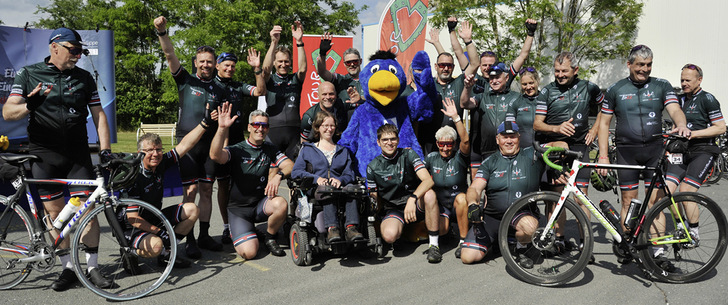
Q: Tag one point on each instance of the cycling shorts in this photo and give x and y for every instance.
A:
(70, 162)
(693, 170)
(242, 221)
(196, 166)
(646, 155)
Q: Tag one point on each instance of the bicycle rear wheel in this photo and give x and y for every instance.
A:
(126, 286)
(16, 235)
(553, 263)
(683, 262)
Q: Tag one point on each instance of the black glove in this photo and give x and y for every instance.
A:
(475, 213)
(324, 47)
(105, 155)
(207, 120)
(531, 28)
(33, 102)
(451, 25)
(164, 235)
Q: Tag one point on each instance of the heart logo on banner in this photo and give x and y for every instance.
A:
(408, 31)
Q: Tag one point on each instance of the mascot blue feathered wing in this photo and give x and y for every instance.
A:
(383, 80)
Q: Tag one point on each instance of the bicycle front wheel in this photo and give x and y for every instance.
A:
(16, 235)
(680, 262)
(551, 261)
(115, 262)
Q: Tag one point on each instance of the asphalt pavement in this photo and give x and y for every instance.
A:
(403, 276)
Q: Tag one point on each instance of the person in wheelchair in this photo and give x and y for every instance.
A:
(505, 176)
(398, 180)
(147, 239)
(449, 169)
(330, 165)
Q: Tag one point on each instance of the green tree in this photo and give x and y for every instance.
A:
(594, 30)
(145, 89)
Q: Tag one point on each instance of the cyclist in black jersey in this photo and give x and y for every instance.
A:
(505, 176)
(56, 96)
(637, 102)
(328, 102)
(449, 170)
(284, 90)
(147, 239)
(198, 95)
(256, 171)
(348, 88)
(398, 181)
(523, 110)
(234, 92)
(705, 121)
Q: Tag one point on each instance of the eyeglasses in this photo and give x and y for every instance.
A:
(353, 63)
(327, 126)
(445, 144)
(206, 49)
(445, 65)
(257, 125)
(693, 67)
(389, 140)
(226, 56)
(151, 150)
(75, 51)
(527, 69)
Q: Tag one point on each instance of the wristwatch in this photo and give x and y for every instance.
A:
(281, 174)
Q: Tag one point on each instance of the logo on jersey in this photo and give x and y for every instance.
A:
(489, 106)
(692, 106)
(518, 194)
(499, 174)
(648, 94)
(690, 125)
(578, 116)
(196, 92)
(652, 114)
(627, 96)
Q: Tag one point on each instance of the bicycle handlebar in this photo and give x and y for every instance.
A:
(546, 151)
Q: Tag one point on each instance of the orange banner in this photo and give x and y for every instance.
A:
(402, 29)
(334, 61)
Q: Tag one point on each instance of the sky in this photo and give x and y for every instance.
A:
(18, 12)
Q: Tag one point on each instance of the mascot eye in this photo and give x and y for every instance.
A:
(393, 69)
(374, 68)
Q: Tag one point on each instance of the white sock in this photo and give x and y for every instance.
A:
(519, 245)
(656, 251)
(92, 261)
(434, 240)
(66, 261)
(226, 226)
(461, 242)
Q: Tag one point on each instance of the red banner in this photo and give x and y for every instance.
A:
(402, 29)
(334, 61)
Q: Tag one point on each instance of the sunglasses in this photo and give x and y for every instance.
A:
(74, 50)
(226, 56)
(257, 125)
(527, 69)
(445, 65)
(445, 144)
(693, 67)
(352, 63)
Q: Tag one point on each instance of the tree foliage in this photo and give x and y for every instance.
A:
(594, 30)
(145, 89)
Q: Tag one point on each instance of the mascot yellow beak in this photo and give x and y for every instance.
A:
(384, 87)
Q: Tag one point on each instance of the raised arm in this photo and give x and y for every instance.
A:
(324, 48)
(218, 153)
(275, 36)
(18, 107)
(452, 112)
(254, 61)
(297, 30)
(435, 40)
(466, 33)
(452, 23)
(521, 59)
(466, 101)
(160, 25)
(196, 134)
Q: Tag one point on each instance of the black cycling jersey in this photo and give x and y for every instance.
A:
(342, 82)
(522, 111)
(509, 178)
(450, 176)
(234, 92)
(61, 119)
(195, 94)
(284, 99)
(700, 113)
(149, 184)
(638, 109)
(249, 166)
(492, 108)
(394, 179)
(560, 103)
(482, 84)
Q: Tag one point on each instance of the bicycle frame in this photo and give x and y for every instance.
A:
(657, 177)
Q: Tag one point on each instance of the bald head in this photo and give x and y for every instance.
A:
(327, 94)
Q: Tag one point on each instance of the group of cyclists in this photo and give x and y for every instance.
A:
(435, 187)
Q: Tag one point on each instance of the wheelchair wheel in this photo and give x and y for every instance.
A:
(298, 243)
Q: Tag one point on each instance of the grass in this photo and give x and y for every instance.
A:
(126, 142)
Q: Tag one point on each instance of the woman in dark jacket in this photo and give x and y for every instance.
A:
(329, 164)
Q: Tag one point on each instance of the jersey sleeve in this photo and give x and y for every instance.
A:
(247, 89)
(541, 102)
(306, 124)
(279, 158)
(595, 93)
(371, 183)
(482, 172)
(609, 101)
(712, 107)
(180, 76)
(417, 163)
(511, 111)
(670, 95)
(20, 84)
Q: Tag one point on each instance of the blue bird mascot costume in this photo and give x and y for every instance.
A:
(383, 80)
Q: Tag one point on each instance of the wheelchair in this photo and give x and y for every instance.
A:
(307, 235)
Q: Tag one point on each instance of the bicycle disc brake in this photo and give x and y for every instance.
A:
(546, 244)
